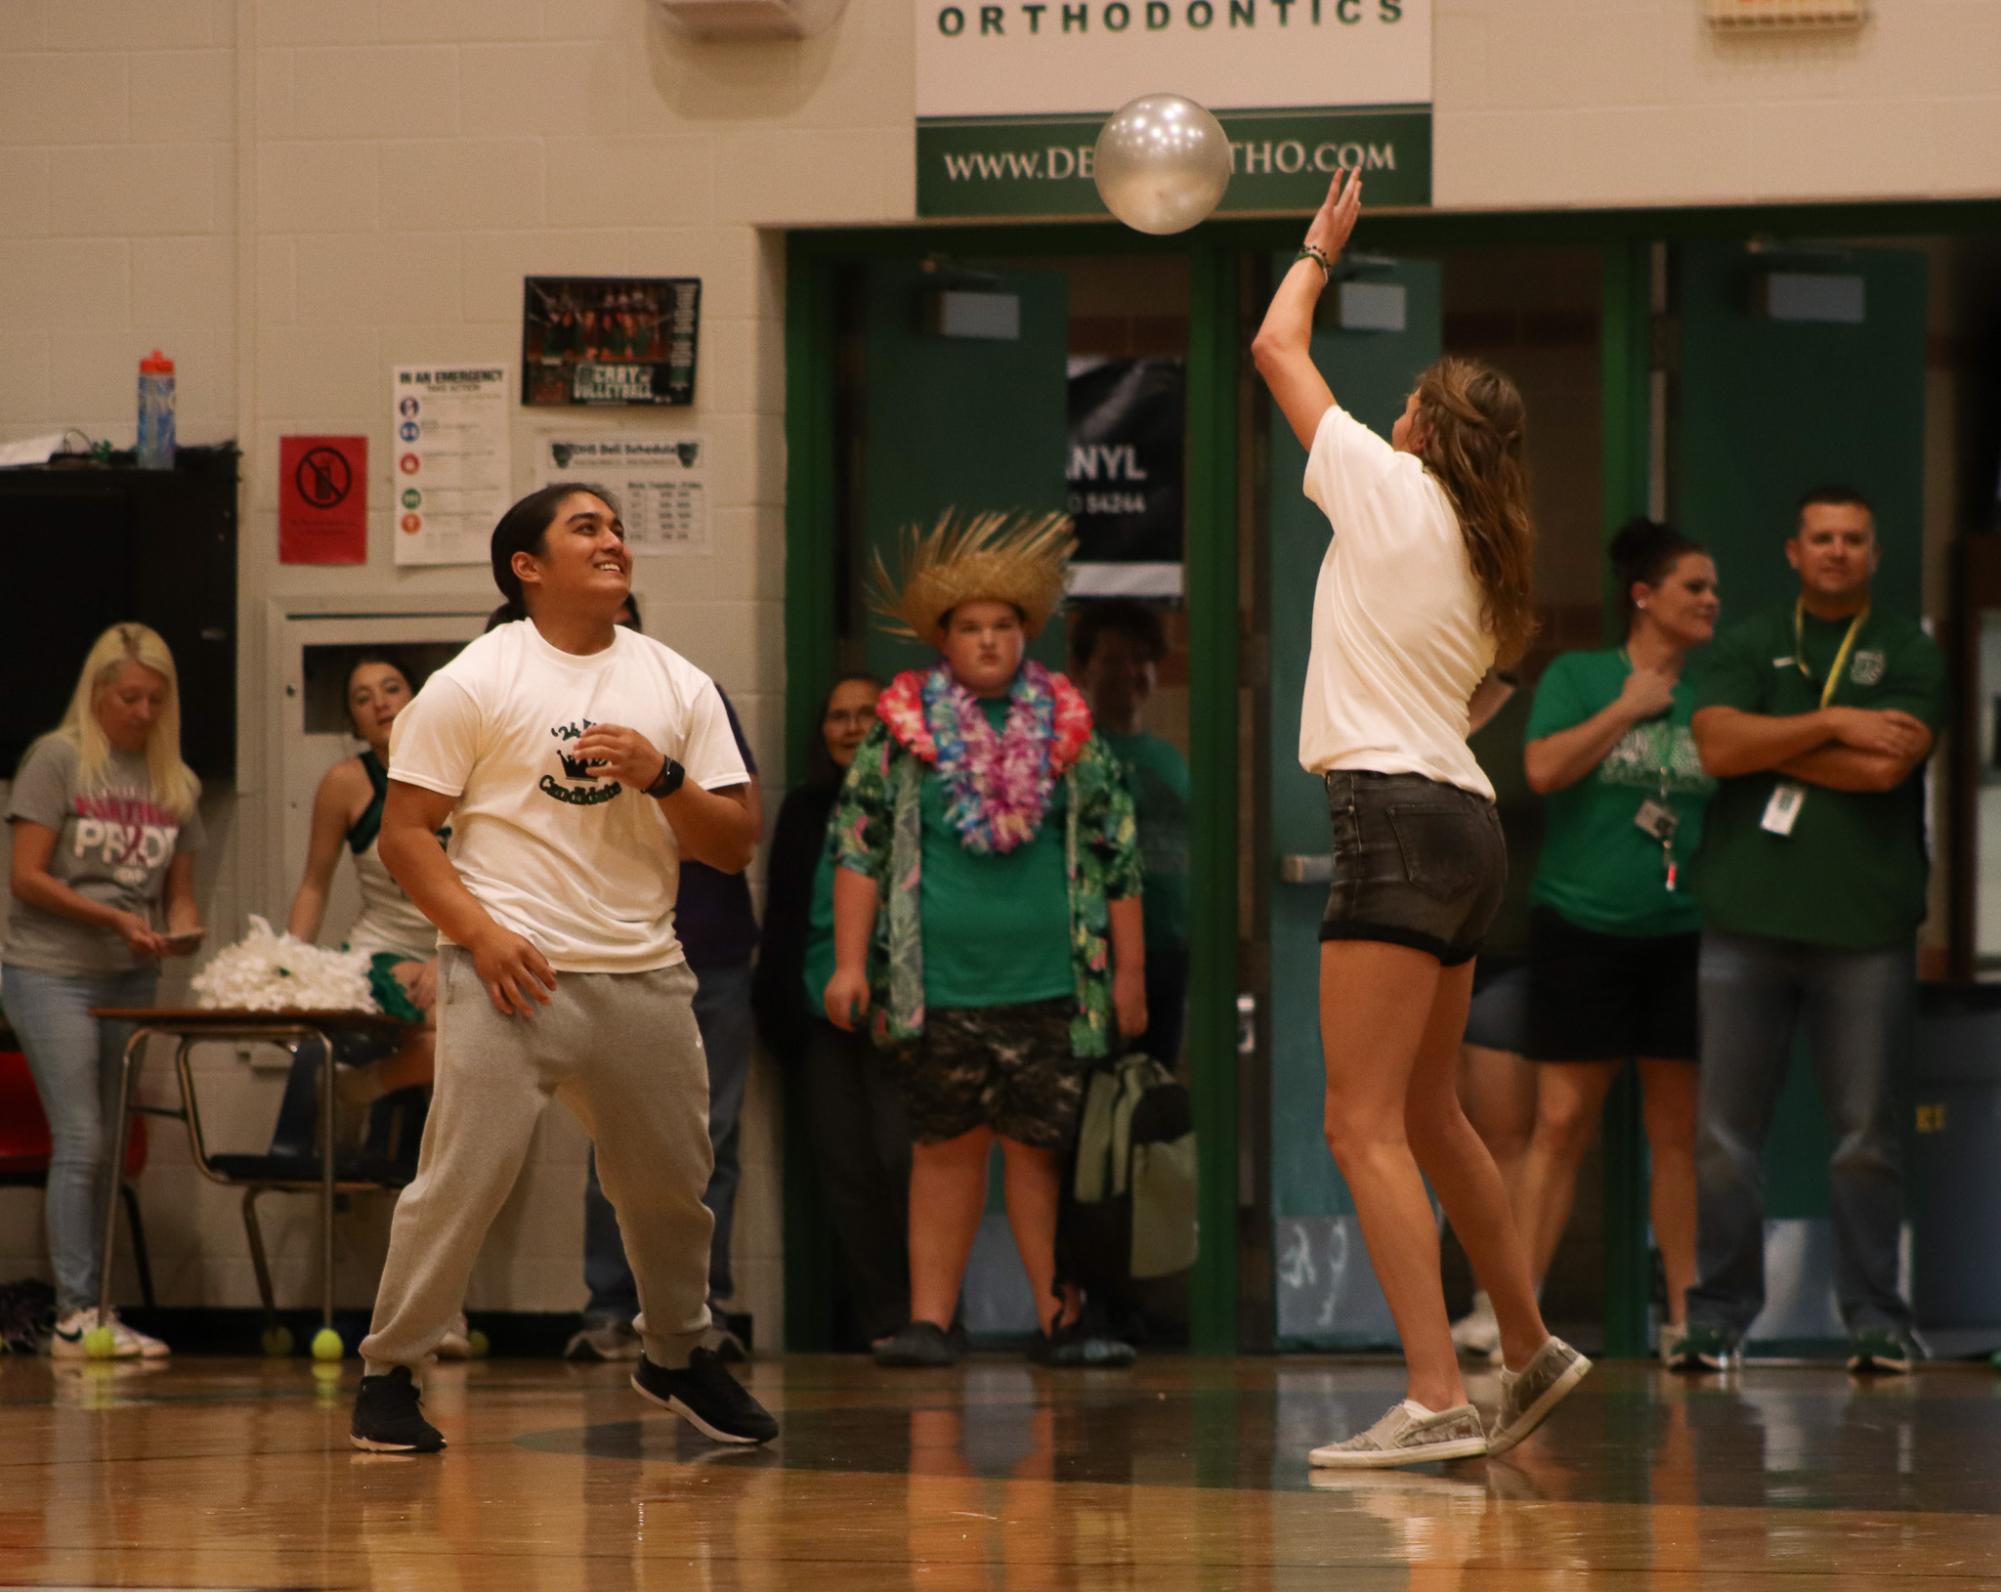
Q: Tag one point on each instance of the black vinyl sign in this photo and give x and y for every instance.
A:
(1127, 423)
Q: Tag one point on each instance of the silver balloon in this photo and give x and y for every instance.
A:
(1162, 163)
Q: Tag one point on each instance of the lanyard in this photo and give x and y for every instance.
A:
(1662, 737)
(1840, 658)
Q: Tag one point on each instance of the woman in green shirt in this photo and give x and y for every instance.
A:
(1615, 929)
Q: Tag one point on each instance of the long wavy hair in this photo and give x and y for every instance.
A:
(173, 782)
(1471, 431)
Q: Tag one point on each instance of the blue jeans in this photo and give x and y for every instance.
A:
(1857, 1007)
(722, 1012)
(75, 1061)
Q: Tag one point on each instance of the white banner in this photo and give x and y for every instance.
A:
(1048, 57)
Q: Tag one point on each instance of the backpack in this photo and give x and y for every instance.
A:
(1132, 1193)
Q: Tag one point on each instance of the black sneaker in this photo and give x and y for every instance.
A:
(707, 1397)
(387, 1420)
(1882, 1352)
(1075, 1346)
(919, 1343)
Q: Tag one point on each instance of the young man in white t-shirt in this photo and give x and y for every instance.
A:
(577, 763)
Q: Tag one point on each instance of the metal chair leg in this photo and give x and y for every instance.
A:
(114, 1172)
(140, 1258)
(257, 1257)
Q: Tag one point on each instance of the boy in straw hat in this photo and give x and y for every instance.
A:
(986, 909)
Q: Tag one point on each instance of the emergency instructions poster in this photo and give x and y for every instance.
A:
(450, 466)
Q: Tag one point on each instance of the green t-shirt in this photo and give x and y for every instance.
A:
(996, 927)
(1852, 873)
(1599, 869)
(1158, 778)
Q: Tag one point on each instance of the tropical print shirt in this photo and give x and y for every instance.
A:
(875, 831)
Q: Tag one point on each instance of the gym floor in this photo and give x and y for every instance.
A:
(1179, 1473)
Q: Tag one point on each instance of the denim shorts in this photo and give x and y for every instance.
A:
(1416, 863)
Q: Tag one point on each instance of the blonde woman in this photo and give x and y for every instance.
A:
(1423, 590)
(105, 831)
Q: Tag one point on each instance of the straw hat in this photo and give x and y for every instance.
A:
(1006, 557)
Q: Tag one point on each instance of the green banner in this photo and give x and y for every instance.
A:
(1279, 160)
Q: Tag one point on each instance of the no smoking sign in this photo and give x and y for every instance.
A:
(323, 500)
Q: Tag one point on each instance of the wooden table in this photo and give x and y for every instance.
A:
(192, 1026)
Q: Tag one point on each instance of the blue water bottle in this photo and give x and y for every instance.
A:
(156, 412)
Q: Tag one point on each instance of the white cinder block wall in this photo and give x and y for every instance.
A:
(290, 197)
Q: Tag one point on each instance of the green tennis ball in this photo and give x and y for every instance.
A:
(479, 1344)
(327, 1344)
(100, 1343)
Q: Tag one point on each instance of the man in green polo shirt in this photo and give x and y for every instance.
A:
(1816, 717)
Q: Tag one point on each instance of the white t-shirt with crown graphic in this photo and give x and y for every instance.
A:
(584, 868)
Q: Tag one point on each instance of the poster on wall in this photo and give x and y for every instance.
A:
(1011, 96)
(609, 340)
(661, 484)
(323, 500)
(1127, 421)
(451, 470)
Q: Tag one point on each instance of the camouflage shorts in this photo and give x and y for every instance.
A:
(1008, 1068)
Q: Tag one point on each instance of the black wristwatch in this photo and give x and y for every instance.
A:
(671, 776)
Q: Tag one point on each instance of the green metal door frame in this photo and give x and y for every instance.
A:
(1214, 254)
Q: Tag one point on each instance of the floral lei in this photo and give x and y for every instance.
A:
(997, 786)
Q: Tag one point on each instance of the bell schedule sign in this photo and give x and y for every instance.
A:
(1011, 95)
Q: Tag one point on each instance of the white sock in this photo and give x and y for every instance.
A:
(1418, 1411)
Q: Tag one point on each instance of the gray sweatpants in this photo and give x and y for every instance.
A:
(623, 1052)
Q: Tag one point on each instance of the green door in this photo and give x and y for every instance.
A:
(1324, 1291)
(1766, 408)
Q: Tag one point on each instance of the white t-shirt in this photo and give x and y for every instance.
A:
(1399, 643)
(582, 867)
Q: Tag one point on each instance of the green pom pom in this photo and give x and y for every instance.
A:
(479, 1344)
(327, 1344)
(100, 1343)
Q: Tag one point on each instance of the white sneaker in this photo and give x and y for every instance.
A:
(1671, 1339)
(128, 1343)
(1477, 1332)
(1409, 1434)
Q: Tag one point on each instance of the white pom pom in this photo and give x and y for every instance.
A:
(267, 972)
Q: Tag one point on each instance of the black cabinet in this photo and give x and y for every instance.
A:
(84, 547)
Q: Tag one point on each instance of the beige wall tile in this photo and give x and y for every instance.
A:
(451, 21)
(470, 185)
(65, 283)
(24, 394)
(360, 279)
(315, 22)
(322, 187)
(156, 25)
(185, 96)
(366, 92)
(608, 182)
(557, 88)
(24, 193)
(496, 263)
(184, 282)
(64, 99)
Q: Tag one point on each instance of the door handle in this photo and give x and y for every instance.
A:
(1307, 867)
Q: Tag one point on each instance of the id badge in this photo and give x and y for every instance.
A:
(1656, 820)
(1783, 810)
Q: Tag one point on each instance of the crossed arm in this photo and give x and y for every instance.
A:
(1853, 749)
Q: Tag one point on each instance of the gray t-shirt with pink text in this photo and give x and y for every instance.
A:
(114, 843)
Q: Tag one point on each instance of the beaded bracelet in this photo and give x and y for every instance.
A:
(1309, 252)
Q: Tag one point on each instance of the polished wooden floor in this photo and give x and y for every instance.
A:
(1180, 1473)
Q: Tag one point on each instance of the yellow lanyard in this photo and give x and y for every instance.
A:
(1840, 658)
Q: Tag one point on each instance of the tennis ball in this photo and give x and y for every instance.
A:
(100, 1343)
(478, 1344)
(327, 1344)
